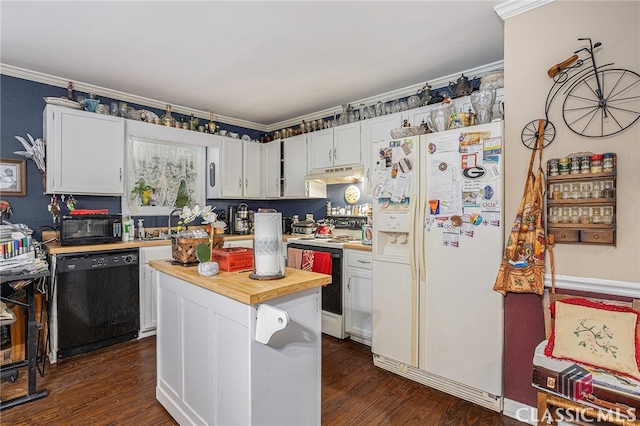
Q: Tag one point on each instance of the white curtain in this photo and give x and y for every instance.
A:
(165, 167)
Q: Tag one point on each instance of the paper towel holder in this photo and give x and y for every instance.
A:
(255, 276)
(269, 321)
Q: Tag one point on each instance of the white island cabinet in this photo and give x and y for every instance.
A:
(212, 370)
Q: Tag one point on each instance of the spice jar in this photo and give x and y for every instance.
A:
(575, 215)
(566, 191)
(554, 215)
(575, 165)
(607, 192)
(553, 167)
(586, 190)
(566, 215)
(595, 215)
(607, 215)
(596, 192)
(584, 215)
(607, 162)
(596, 163)
(563, 166)
(556, 192)
(585, 164)
(575, 191)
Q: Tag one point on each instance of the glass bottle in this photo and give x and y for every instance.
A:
(575, 215)
(596, 192)
(575, 191)
(554, 215)
(566, 215)
(167, 119)
(596, 215)
(607, 192)
(585, 217)
(193, 123)
(566, 191)
(556, 192)
(607, 215)
(586, 190)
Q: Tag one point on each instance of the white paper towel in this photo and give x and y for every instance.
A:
(267, 244)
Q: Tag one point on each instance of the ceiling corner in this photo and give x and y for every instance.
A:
(512, 8)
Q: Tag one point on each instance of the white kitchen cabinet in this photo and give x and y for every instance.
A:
(374, 130)
(358, 301)
(334, 147)
(240, 168)
(85, 152)
(149, 288)
(272, 168)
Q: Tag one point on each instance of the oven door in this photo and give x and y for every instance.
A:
(332, 293)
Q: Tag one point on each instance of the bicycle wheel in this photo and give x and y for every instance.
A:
(529, 135)
(592, 114)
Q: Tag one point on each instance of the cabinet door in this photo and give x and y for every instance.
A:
(85, 152)
(148, 289)
(272, 161)
(252, 169)
(346, 144)
(374, 130)
(231, 168)
(359, 299)
(295, 166)
(321, 153)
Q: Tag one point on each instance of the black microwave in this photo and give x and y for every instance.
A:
(90, 229)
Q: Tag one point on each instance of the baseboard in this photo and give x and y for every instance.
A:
(519, 411)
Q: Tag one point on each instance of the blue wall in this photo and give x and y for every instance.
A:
(21, 107)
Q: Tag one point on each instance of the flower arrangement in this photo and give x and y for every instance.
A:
(188, 215)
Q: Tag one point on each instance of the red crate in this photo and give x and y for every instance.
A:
(233, 259)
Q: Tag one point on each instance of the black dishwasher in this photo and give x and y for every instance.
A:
(98, 300)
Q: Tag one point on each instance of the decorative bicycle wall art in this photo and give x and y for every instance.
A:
(600, 101)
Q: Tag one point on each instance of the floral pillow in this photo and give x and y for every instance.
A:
(596, 334)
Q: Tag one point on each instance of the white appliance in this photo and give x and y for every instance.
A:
(437, 245)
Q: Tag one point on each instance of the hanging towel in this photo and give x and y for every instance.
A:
(294, 258)
(307, 260)
(321, 262)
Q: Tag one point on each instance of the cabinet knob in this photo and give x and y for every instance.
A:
(563, 235)
(596, 237)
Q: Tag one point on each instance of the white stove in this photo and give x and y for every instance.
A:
(345, 230)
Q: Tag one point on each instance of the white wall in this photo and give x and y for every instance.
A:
(536, 40)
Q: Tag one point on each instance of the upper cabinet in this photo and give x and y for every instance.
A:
(85, 152)
(374, 130)
(240, 168)
(334, 147)
(272, 169)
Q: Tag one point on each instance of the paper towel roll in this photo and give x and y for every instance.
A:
(267, 244)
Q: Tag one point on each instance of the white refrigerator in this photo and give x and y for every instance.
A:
(438, 222)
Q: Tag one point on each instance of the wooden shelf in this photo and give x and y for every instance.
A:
(582, 202)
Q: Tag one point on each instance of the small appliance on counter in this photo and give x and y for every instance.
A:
(287, 225)
(90, 229)
(304, 227)
(238, 219)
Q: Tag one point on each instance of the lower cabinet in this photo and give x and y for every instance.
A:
(358, 301)
(149, 288)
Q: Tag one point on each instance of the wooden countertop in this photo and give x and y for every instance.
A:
(238, 285)
(356, 246)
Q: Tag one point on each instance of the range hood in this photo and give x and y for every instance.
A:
(348, 174)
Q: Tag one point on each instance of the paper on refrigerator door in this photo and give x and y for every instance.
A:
(444, 183)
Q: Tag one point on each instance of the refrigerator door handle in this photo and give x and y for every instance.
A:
(412, 238)
(422, 217)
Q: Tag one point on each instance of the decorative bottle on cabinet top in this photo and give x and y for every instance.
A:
(167, 119)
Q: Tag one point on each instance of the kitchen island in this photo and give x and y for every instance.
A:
(211, 367)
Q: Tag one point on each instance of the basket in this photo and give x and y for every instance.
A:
(183, 250)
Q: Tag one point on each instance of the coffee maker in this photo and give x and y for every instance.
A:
(238, 218)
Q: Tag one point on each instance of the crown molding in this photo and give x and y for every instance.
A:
(513, 8)
(115, 94)
(390, 96)
(127, 97)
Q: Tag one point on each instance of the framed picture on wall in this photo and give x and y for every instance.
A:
(13, 177)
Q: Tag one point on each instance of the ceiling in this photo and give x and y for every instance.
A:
(264, 62)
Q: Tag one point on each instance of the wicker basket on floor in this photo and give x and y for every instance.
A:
(183, 250)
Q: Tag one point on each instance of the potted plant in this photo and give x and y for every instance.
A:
(142, 190)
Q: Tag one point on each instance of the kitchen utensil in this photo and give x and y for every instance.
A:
(482, 101)
(462, 86)
(324, 229)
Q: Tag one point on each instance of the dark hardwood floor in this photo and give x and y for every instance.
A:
(116, 386)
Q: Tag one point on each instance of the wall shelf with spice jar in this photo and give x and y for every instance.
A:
(581, 198)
